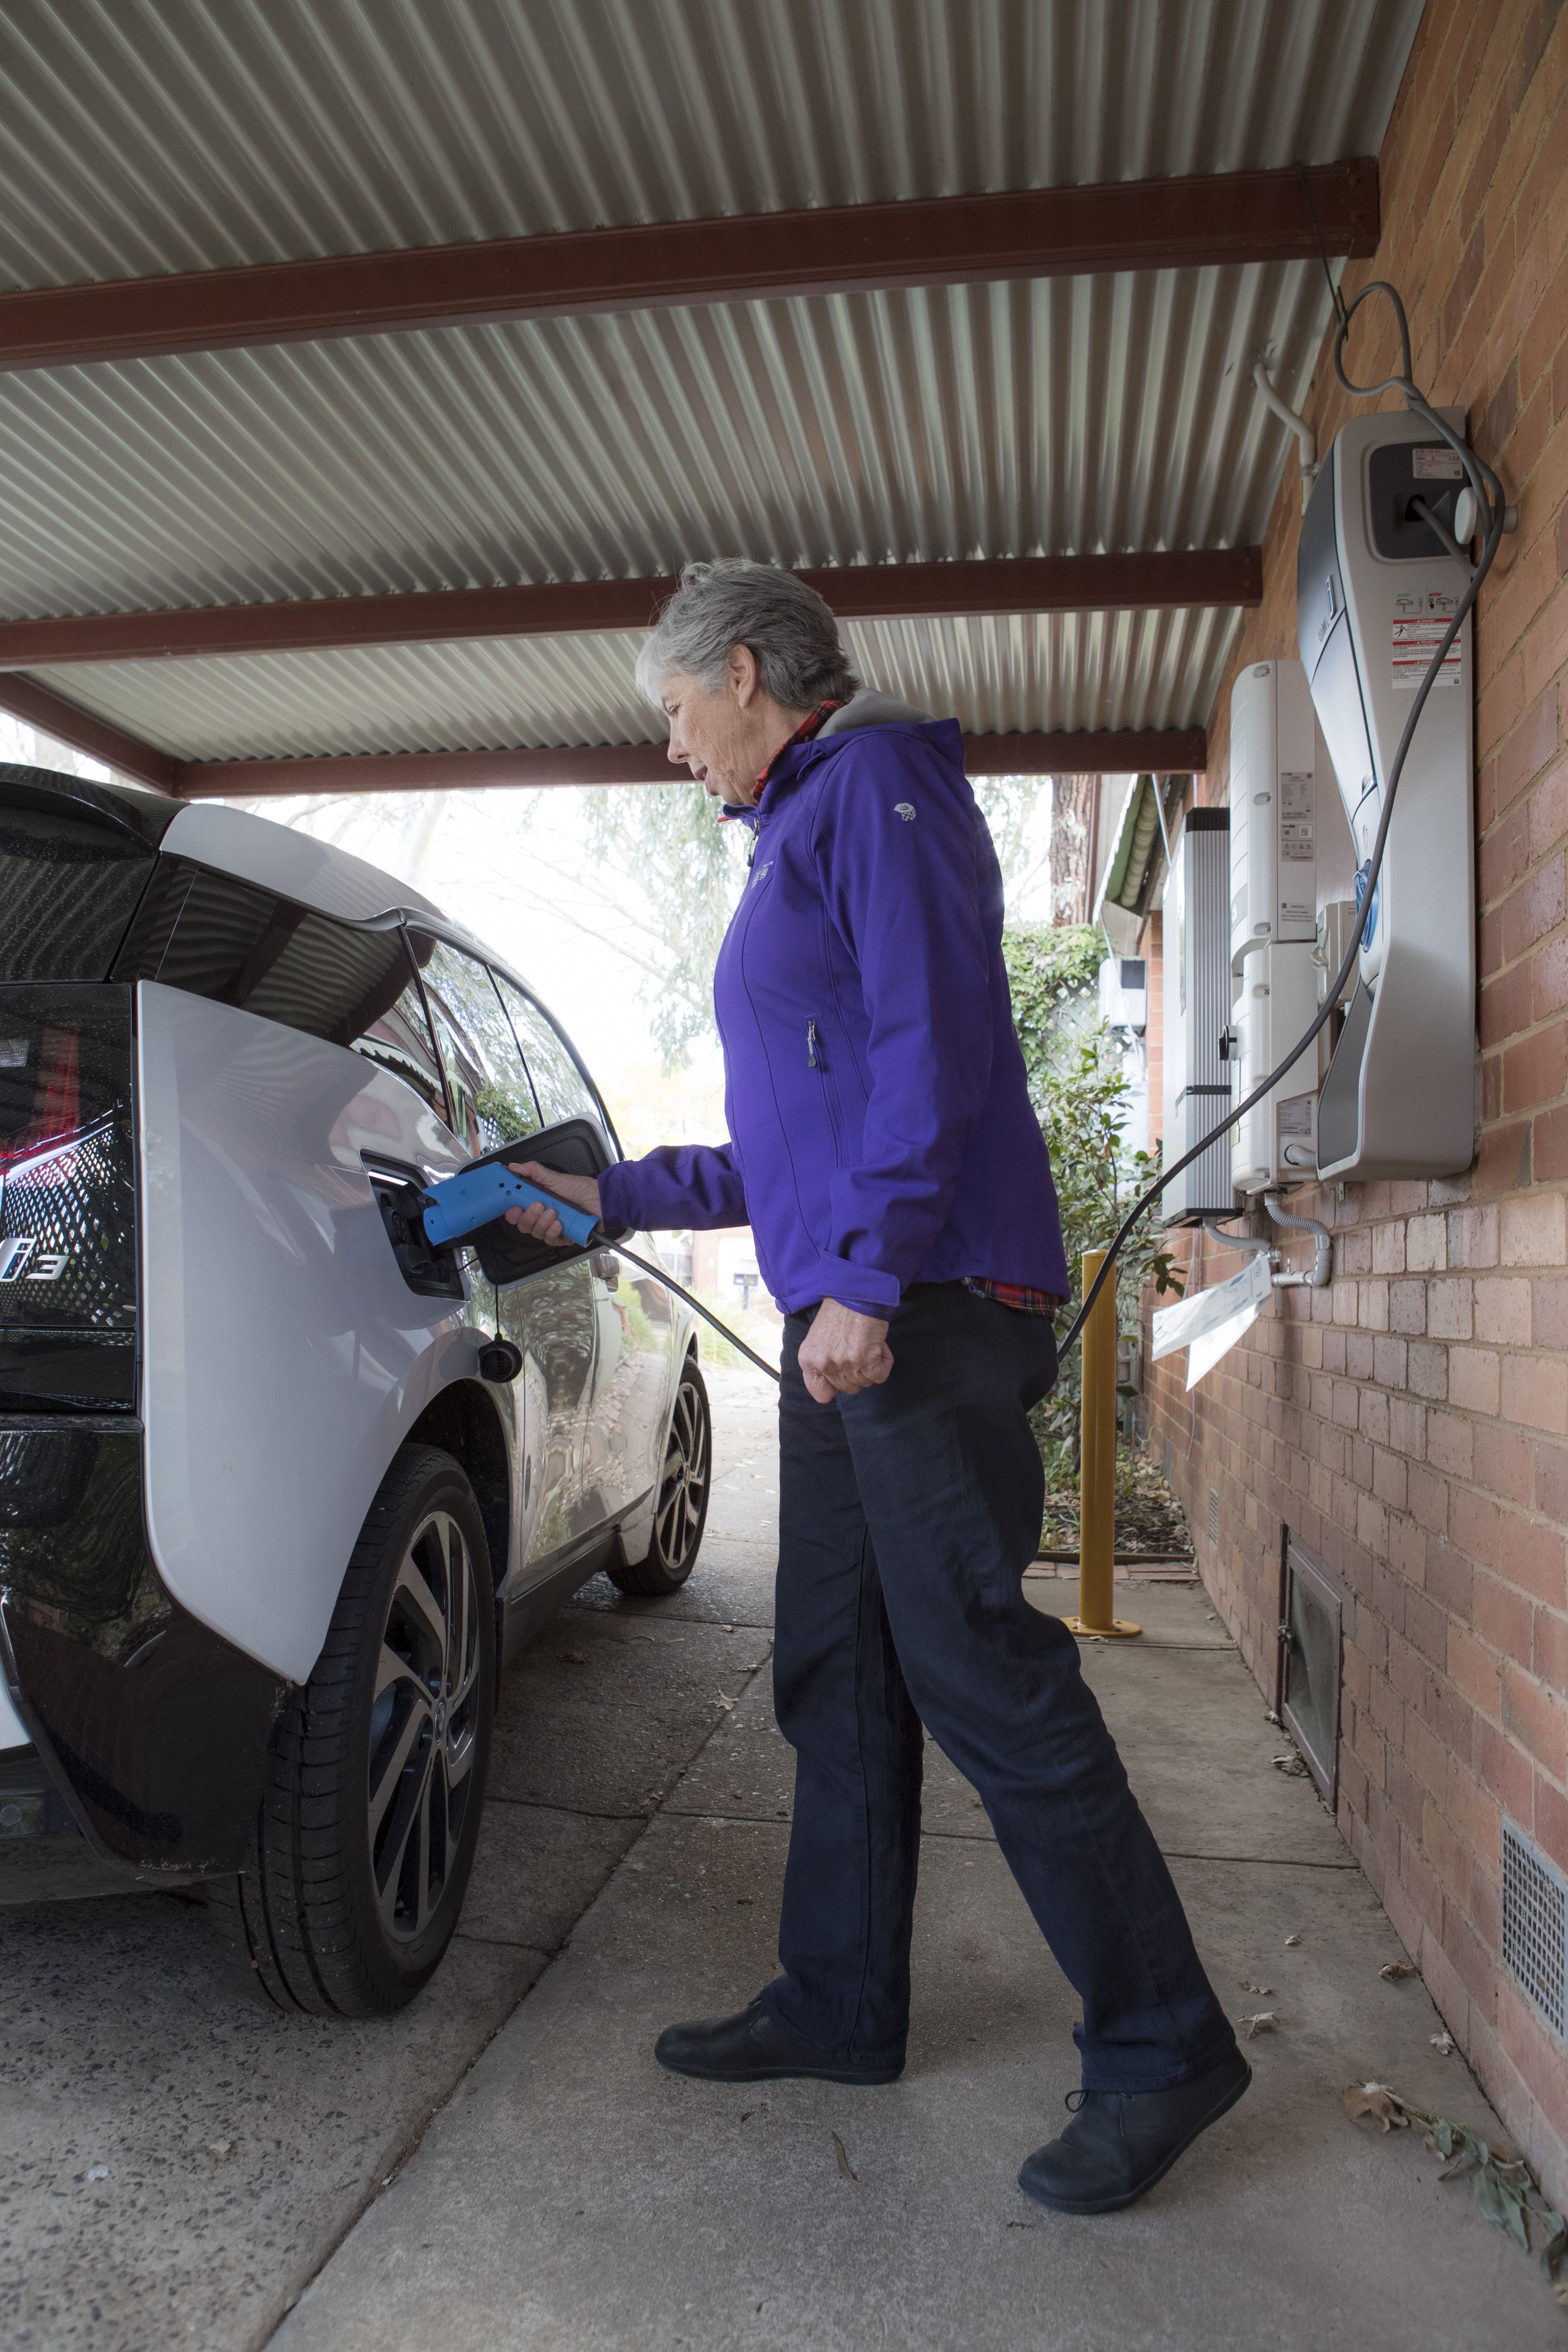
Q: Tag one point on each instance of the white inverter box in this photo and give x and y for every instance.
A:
(1196, 1077)
(1284, 803)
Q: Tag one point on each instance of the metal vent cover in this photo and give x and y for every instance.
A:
(1213, 1515)
(1535, 1927)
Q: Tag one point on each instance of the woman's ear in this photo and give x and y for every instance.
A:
(741, 676)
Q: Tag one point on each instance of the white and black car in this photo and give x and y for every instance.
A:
(281, 1487)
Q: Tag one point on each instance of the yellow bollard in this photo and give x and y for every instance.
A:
(1097, 1472)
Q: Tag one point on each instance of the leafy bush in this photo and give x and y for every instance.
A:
(1078, 1084)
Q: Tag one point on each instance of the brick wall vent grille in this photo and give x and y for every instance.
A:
(1213, 1515)
(1535, 1927)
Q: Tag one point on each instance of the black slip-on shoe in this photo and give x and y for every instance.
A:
(753, 2048)
(1121, 2142)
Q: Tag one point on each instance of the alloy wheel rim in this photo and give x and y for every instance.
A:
(683, 1486)
(423, 1728)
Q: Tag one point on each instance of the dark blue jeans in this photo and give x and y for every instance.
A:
(909, 1513)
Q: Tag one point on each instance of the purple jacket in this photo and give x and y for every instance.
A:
(881, 1124)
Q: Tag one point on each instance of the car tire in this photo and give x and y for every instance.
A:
(365, 1839)
(680, 1512)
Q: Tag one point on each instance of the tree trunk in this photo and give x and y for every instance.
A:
(1072, 810)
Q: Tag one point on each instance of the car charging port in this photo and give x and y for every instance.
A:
(401, 1198)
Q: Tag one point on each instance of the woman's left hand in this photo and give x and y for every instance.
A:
(844, 1353)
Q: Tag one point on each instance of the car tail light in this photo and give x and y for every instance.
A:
(67, 1200)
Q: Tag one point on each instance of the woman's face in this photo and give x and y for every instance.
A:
(722, 733)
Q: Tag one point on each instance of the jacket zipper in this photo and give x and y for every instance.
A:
(817, 1059)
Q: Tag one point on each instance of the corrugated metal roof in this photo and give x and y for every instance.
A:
(151, 135)
(1000, 675)
(1054, 416)
(1065, 415)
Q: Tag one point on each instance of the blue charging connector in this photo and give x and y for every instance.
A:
(478, 1196)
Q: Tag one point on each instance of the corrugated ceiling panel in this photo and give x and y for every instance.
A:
(151, 135)
(1063, 415)
(1001, 675)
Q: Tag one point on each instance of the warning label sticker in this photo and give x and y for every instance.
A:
(1296, 815)
(1437, 464)
(1414, 642)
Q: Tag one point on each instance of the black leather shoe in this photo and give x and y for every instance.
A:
(1121, 2142)
(753, 2048)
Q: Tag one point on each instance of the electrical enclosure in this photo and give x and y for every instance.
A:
(1374, 591)
(1196, 1073)
(1286, 828)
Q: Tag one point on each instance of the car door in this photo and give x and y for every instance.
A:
(552, 1315)
(633, 1313)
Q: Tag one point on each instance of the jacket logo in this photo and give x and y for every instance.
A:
(761, 873)
(904, 809)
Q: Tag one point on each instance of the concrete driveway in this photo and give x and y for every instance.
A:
(504, 2166)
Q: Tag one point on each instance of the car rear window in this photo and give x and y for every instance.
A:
(560, 1086)
(70, 882)
(215, 937)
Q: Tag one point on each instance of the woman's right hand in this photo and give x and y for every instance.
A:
(534, 1217)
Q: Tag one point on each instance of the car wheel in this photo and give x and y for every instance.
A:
(680, 1513)
(367, 1833)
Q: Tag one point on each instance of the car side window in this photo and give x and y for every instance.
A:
(215, 937)
(491, 1098)
(562, 1090)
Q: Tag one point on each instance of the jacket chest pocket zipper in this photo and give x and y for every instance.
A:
(817, 1059)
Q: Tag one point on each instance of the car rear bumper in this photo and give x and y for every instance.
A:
(148, 1735)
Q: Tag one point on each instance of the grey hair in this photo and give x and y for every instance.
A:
(786, 625)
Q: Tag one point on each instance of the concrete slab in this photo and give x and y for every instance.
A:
(604, 1710)
(537, 1870)
(731, 1584)
(574, 2194)
(236, 2146)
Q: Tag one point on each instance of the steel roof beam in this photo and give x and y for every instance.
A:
(1038, 583)
(1202, 222)
(1172, 750)
(36, 706)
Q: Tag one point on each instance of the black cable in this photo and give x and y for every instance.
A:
(669, 1282)
(1489, 491)
(1491, 498)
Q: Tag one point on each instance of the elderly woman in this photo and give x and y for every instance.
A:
(883, 1149)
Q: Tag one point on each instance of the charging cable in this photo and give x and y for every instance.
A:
(1487, 493)
(1491, 503)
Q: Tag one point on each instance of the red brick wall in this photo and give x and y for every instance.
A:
(1411, 1422)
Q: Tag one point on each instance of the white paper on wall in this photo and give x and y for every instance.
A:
(1211, 1322)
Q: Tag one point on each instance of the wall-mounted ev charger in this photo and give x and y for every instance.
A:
(1376, 592)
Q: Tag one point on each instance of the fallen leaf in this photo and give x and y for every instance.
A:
(745, 1898)
(746, 2119)
(1392, 1971)
(1248, 1985)
(727, 1704)
(1442, 2042)
(1291, 1942)
(219, 2147)
(1251, 2027)
(976, 1800)
(1270, 1717)
(1379, 2100)
(844, 2169)
(573, 1658)
(1292, 1764)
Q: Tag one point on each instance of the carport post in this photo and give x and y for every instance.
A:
(1096, 1466)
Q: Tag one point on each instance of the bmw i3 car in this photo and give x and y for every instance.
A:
(282, 1487)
